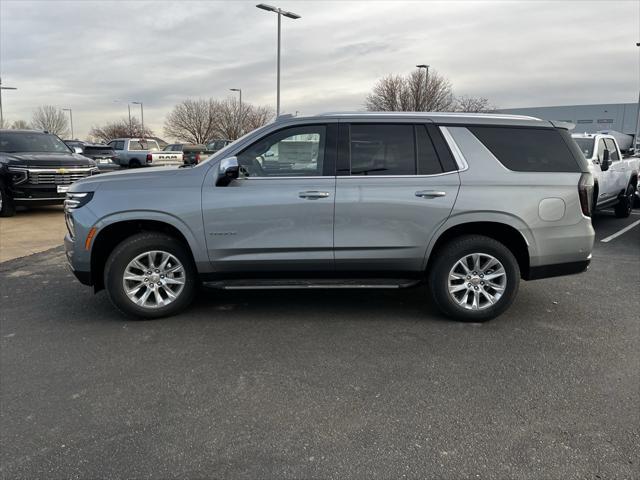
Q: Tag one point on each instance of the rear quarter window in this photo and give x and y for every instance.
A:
(530, 149)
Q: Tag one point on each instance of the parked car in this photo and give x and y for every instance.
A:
(215, 145)
(467, 203)
(104, 156)
(75, 145)
(36, 168)
(142, 152)
(616, 178)
(191, 153)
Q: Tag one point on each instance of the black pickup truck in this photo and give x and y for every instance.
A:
(36, 168)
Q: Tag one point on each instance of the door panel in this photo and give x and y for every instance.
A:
(278, 216)
(385, 213)
(264, 224)
(382, 225)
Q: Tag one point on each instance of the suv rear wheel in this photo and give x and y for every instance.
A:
(474, 278)
(150, 275)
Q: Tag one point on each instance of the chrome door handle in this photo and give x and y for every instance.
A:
(313, 195)
(430, 194)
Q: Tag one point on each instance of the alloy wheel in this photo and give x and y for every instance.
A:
(477, 281)
(154, 279)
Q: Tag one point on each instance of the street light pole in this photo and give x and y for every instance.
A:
(141, 115)
(239, 90)
(426, 84)
(636, 140)
(1, 114)
(287, 14)
(70, 119)
(129, 110)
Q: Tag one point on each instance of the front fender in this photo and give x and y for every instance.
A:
(195, 238)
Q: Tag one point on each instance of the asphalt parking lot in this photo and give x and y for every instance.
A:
(324, 384)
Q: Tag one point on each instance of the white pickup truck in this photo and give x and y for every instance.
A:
(616, 178)
(141, 152)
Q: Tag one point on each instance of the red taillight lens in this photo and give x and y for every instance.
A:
(149, 158)
(197, 158)
(585, 191)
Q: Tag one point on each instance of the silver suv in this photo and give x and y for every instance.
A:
(468, 203)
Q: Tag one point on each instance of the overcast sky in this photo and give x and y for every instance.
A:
(88, 54)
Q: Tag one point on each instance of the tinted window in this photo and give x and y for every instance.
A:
(379, 149)
(292, 152)
(613, 151)
(428, 163)
(446, 158)
(528, 149)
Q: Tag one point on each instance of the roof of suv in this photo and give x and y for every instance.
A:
(436, 117)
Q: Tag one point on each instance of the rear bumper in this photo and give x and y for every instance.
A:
(558, 269)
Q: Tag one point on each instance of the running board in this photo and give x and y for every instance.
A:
(277, 284)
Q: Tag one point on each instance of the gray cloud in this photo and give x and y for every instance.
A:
(527, 53)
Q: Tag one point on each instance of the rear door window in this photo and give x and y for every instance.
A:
(428, 163)
(382, 149)
(528, 149)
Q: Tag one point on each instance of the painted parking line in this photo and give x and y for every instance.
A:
(633, 212)
(620, 232)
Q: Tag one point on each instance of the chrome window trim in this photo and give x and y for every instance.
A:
(313, 177)
(359, 177)
(352, 177)
(455, 149)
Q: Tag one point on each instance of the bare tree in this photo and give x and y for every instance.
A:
(20, 125)
(415, 92)
(51, 119)
(192, 121)
(119, 129)
(199, 121)
(474, 105)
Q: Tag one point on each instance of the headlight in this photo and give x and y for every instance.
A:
(77, 200)
(18, 175)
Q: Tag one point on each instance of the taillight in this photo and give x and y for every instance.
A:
(197, 158)
(149, 157)
(585, 191)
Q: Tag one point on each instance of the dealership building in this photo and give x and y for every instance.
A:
(620, 117)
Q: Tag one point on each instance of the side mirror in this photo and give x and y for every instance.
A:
(77, 149)
(228, 171)
(605, 163)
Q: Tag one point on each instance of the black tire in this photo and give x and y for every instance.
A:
(129, 249)
(625, 203)
(134, 163)
(7, 207)
(458, 248)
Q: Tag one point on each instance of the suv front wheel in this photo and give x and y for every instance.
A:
(150, 275)
(474, 278)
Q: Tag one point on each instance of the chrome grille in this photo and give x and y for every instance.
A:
(53, 177)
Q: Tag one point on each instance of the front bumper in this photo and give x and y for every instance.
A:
(83, 276)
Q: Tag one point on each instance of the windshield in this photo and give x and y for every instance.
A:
(586, 146)
(12, 142)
